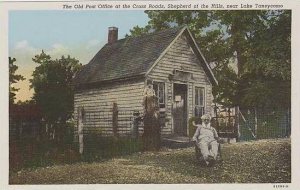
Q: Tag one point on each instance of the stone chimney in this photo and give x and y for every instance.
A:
(112, 34)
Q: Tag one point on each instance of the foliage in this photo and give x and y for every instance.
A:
(26, 102)
(138, 31)
(262, 45)
(52, 83)
(226, 91)
(271, 66)
(248, 50)
(30, 152)
(13, 78)
(97, 147)
(53, 90)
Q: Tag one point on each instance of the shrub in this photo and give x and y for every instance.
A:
(99, 147)
(31, 152)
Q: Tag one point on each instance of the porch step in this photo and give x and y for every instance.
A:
(174, 142)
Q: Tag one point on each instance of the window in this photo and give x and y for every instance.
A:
(159, 88)
(199, 101)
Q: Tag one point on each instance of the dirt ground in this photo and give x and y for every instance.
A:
(264, 161)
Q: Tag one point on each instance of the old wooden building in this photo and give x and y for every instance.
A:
(117, 75)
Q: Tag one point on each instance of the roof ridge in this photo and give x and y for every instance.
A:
(177, 29)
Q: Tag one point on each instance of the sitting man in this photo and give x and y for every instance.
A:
(206, 138)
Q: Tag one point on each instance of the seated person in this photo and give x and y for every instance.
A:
(206, 138)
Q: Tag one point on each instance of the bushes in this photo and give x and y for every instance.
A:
(34, 151)
(31, 153)
(99, 147)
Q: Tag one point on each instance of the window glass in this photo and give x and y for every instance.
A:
(159, 88)
(199, 101)
(196, 97)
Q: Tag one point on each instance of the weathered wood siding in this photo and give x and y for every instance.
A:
(98, 104)
(180, 56)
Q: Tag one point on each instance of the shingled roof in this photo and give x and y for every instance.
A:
(127, 58)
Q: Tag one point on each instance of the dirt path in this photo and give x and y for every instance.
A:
(265, 161)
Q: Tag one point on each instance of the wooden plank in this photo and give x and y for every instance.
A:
(100, 95)
(121, 98)
(128, 98)
(114, 88)
(125, 105)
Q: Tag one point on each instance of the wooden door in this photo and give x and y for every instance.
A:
(179, 111)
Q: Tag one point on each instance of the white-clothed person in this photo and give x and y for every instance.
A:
(206, 138)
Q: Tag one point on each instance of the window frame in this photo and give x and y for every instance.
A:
(156, 87)
(200, 105)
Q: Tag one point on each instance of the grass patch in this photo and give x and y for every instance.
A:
(97, 147)
(263, 161)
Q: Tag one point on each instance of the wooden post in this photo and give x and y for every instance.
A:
(115, 119)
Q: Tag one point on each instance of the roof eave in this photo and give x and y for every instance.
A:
(89, 85)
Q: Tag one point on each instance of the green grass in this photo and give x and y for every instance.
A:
(96, 147)
(29, 153)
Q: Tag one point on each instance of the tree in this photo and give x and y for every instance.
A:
(138, 31)
(13, 78)
(257, 42)
(271, 65)
(260, 41)
(53, 90)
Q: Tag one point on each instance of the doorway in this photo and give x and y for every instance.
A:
(180, 109)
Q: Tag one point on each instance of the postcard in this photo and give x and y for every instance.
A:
(149, 94)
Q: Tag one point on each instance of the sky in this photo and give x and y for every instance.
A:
(80, 34)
